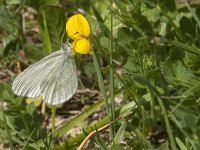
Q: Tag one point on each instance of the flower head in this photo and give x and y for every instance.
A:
(78, 29)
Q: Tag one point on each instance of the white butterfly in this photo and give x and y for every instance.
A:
(54, 78)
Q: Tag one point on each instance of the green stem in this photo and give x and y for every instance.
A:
(169, 131)
(187, 143)
(143, 120)
(112, 77)
(7, 130)
(101, 86)
(53, 114)
(43, 107)
(152, 102)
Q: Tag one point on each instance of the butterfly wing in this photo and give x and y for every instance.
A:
(60, 84)
(28, 82)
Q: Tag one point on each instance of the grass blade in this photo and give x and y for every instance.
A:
(186, 47)
(101, 83)
(141, 136)
(120, 133)
(47, 41)
(112, 78)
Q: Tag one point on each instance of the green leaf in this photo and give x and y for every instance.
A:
(150, 3)
(11, 46)
(6, 20)
(124, 34)
(96, 12)
(104, 41)
(15, 2)
(100, 77)
(164, 146)
(141, 136)
(47, 41)
(127, 107)
(2, 87)
(52, 2)
(181, 145)
(34, 52)
(187, 26)
(117, 147)
(30, 109)
(193, 14)
(18, 101)
(187, 122)
(24, 133)
(181, 72)
(120, 133)
(167, 5)
(176, 53)
(186, 47)
(38, 4)
(89, 70)
(6, 96)
(52, 23)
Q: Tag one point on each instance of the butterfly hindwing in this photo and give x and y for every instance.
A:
(60, 84)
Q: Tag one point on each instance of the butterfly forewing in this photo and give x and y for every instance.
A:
(48, 79)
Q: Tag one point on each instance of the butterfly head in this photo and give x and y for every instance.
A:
(68, 49)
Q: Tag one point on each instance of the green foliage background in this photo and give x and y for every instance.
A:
(150, 48)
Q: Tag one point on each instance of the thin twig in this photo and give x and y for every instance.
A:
(99, 130)
(91, 135)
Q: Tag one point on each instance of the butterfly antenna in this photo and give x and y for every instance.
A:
(61, 41)
(67, 42)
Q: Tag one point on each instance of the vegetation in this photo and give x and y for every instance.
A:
(145, 65)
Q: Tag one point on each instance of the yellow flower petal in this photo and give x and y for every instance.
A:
(77, 26)
(81, 46)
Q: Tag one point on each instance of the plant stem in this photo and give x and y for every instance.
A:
(143, 120)
(169, 131)
(152, 103)
(112, 77)
(53, 111)
(43, 107)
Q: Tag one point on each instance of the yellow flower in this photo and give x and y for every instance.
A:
(78, 29)
(81, 45)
